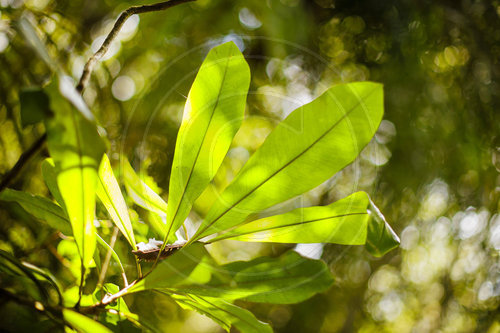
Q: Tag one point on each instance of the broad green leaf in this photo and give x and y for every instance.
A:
(40, 207)
(213, 114)
(82, 323)
(76, 149)
(34, 106)
(111, 197)
(347, 221)
(284, 280)
(308, 147)
(227, 315)
(141, 193)
(49, 173)
(189, 265)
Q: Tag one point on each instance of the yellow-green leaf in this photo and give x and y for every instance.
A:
(111, 197)
(225, 314)
(76, 149)
(141, 193)
(82, 323)
(308, 147)
(346, 222)
(213, 114)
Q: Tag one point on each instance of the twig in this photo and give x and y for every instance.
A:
(89, 66)
(22, 161)
(107, 259)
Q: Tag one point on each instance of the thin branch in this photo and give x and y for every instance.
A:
(89, 66)
(107, 259)
(22, 161)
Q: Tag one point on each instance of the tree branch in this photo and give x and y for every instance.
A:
(89, 66)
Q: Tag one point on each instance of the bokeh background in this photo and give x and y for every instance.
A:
(433, 167)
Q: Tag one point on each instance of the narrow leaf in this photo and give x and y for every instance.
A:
(49, 173)
(141, 193)
(227, 315)
(82, 323)
(111, 197)
(284, 280)
(213, 114)
(41, 208)
(308, 147)
(76, 149)
(347, 221)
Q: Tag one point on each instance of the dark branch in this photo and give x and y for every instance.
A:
(22, 161)
(89, 66)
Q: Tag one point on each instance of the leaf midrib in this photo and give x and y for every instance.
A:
(201, 145)
(125, 227)
(43, 208)
(231, 313)
(82, 180)
(200, 232)
(287, 225)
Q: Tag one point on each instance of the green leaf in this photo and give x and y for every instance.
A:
(189, 265)
(347, 221)
(76, 149)
(111, 197)
(381, 238)
(41, 274)
(12, 266)
(308, 147)
(49, 173)
(213, 114)
(34, 106)
(223, 313)
(39, 207)
(82, 323)
(284, 280)
(141, 193)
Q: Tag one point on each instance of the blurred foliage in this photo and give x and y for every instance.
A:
(433, 167)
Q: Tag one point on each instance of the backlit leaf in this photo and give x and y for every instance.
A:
(76, 149)
(82, 323)
(284, 280)
(111, 197)
(308, 147)
(141, 193)
(227, 315)
(348, 221)
(213, 114)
